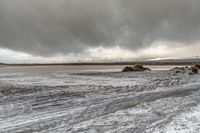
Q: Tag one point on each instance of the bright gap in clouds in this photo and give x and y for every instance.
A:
(158, 50)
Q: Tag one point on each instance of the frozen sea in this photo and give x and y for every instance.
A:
(90, 99)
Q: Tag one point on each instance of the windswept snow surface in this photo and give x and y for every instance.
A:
(99, 101)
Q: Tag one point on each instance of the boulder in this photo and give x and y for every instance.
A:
(197, 66)
(194, 70)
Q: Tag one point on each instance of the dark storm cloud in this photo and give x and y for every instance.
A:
(46, 27)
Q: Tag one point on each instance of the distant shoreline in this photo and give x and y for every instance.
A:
(171, 62)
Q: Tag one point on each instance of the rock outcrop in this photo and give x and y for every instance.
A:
(197, 66)
(135, 68)
(190, 70)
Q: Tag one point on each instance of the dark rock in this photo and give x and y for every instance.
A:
(190, 70)
(197, 66)
(178, 72)
(194, 70)
(179, 68)
(127, 69)
(136, 68)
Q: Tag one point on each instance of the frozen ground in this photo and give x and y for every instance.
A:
(68, 101)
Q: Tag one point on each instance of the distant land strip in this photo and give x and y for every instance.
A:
(160, 62)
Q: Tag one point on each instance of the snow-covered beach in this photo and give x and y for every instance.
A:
(61, 99)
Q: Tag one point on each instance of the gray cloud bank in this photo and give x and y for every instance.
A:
(47, 27)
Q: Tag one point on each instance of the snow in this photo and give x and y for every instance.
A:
(99, 101)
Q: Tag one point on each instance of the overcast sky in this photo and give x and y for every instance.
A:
(98, 30)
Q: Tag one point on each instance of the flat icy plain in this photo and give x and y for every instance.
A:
(40, 99)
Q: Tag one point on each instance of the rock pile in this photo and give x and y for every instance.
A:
(190, 70)
(135, 68)
(180, 69)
